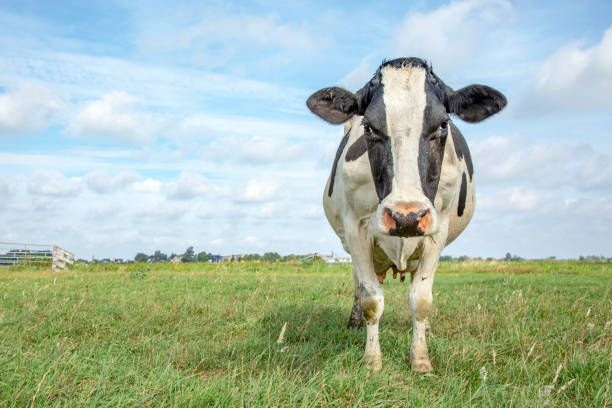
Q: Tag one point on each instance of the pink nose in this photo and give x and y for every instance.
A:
(406, 220)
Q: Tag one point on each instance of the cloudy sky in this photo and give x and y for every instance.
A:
(136, 126)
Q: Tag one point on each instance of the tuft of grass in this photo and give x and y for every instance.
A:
(523, 335)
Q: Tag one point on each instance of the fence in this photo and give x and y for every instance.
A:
(20, 254)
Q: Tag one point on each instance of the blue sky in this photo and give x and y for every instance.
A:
(148, 125)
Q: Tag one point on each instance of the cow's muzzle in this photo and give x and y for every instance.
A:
(406, 220)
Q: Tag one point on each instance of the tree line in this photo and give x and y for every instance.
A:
(190, 255)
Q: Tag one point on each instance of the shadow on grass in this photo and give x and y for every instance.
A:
(314, 338)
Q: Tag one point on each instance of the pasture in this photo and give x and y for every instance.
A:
(505, 334)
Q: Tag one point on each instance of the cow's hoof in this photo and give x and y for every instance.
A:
(421, 366)
(374, 362)
(355, 323)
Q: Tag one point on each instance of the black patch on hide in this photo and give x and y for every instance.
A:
(461, 149)
(332, 177)
(357, 149)
(432, 140)
(462, 195)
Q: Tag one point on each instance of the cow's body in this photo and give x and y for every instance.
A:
(401, 187)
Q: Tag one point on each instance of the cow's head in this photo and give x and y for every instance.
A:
(405, 109)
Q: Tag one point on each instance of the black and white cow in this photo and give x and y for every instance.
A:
(411, 195)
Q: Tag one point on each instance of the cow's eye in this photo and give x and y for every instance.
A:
(367, 128)
(444, 125)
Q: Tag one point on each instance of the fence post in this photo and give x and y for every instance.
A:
(61, 257)
(53, 262)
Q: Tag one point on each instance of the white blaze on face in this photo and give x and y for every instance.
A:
(405, 100)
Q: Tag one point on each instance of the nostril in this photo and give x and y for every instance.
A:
(421, 213)
(388, 220)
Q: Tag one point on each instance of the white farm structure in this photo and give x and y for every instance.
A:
(25, 254)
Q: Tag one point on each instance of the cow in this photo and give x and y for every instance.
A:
(401, 187)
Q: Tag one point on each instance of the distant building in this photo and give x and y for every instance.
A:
(333, 258)
(176, 259)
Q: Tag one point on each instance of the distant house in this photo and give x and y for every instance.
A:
(176, 259)
(333, 258)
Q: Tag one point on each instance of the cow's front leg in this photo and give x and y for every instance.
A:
(421, 299)
(370, 291)
(356, 317)
(372, 306)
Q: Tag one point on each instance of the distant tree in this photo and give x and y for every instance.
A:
(271, 257)
(581, 258)
(159, 256)
(204, 256)
(140, 257)
(291, 257)
(446, 258)
(508, 257)
(252, 257)
(189, 255)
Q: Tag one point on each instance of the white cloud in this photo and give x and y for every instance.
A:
(362, 73)
(259, 190)
(27, 109)
(514, 199)
(189, 185)
(4, 193)
(173, 88)
(106, 211)
(147, 186)
(575, 77)
(268, 210)
(260, 149)
(314, 211)
(511, 160)
(113, 117)
(102, 182)
(212, 37)
(260, 31)
(596, 172)
(451, 34)
(217, 241)
(209, 126)
(151, 212)
(249, 140)
(253, 241)
(52, 183)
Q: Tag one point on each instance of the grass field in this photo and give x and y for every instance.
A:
(505, 334)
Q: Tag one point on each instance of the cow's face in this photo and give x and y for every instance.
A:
(405, 109)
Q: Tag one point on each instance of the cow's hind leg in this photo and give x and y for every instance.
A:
(356, 318)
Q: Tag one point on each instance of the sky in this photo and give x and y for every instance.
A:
(135, 126)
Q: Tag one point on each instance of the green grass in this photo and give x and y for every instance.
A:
(205, 335)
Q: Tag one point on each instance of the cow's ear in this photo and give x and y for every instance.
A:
(475, 103)
(334, 105)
